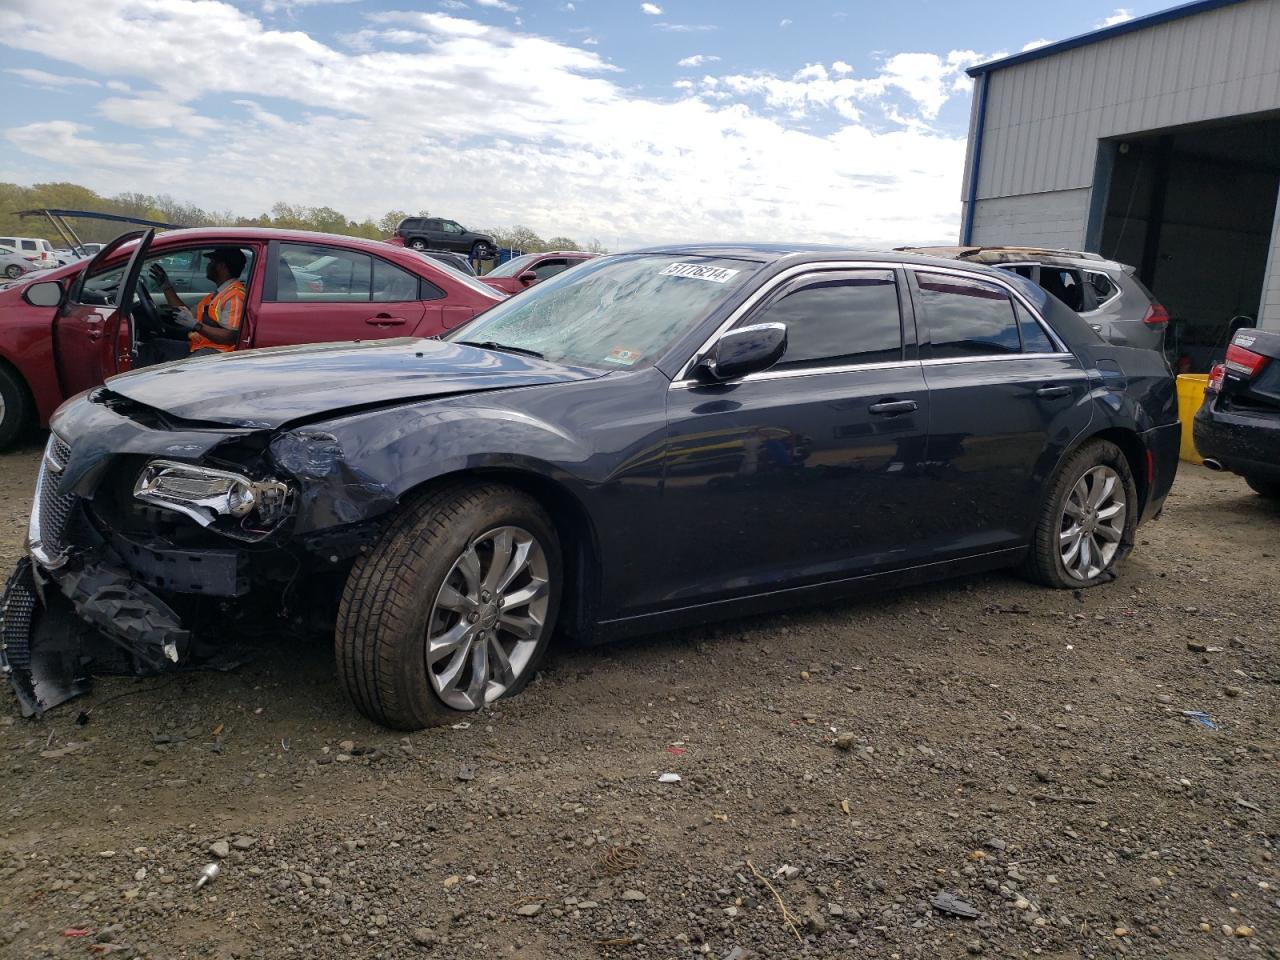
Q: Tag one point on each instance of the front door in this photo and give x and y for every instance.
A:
(809, 471)
(91, 333)
(319, 293)
(1007, 400)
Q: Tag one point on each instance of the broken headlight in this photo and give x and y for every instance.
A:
(205, 494)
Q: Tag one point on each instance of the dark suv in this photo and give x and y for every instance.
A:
(434, 233)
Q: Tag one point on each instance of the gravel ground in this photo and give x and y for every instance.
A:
(1020, 749)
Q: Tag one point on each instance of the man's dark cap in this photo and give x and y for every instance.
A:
(231, 257)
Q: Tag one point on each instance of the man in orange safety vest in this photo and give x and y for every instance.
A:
(215, 325)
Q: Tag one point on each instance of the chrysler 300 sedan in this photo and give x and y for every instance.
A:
(652, 439)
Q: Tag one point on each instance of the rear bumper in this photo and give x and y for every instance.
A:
(1161, 445)
(1244, 443)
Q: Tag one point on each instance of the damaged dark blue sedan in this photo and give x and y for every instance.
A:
(651, 440)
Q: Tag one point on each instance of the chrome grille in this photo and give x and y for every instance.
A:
(51, 512)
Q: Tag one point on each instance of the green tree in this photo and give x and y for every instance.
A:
(390, 220)
(562, 243)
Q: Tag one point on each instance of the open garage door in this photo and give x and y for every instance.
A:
(1194, 209)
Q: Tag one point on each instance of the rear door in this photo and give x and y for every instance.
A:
(91, 333)
(318, 293)
(1005, 397)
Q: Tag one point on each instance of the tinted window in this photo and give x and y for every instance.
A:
(967, 318)
(549, 268)
(1103, 288)
(838, 318)
(322, 274)
(1065, 284)
(391, 284)
(1034, 339)
(28, 244)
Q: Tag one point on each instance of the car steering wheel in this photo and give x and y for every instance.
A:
(147, 314)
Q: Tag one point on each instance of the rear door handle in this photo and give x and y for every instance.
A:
(887, 408)
(386, 320)
(1053, 392)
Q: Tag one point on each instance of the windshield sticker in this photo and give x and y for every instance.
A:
(622, 356)
(699, 271)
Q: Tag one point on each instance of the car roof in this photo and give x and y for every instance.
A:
(787, 253)
(228, 234)
(1013, 254)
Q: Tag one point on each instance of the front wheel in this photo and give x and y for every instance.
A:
(482, 251)
(15, 408)
(1087, 521)
(1264, 488)
(452, 609)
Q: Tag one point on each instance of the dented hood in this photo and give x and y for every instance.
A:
(264, 389)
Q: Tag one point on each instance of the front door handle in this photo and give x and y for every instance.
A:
(888, 408)
(1058, 391)
(386, 320)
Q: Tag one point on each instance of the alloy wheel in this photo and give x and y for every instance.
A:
(487, 618)
(1092, 523)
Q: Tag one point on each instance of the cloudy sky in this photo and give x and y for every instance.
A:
(626, 122)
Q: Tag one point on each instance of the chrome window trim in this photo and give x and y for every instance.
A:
(803, 372)
(683, 379)
(988, 357)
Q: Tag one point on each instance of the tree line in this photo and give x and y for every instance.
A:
(164, 208)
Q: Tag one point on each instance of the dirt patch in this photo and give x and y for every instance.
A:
(1021, 749)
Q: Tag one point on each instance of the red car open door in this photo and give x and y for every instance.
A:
(92, 332)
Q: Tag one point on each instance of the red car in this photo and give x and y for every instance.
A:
(521, 272)
(63, 331)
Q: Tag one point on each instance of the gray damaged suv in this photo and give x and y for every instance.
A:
(1107, 294)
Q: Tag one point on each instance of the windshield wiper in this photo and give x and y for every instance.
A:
(506, 347)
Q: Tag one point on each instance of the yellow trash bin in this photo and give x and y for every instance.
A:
(1190, 396)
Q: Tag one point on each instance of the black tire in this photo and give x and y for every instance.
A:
(1264, 488)
(481, 251)
(15, 407)
(417, 243)
(1044, 562)
(382, 617)
(13, 271)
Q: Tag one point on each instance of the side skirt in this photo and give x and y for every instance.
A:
(606, 631)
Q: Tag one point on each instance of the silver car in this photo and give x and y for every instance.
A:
(13, 264)
(1105, 293)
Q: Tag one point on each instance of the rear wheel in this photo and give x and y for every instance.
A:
(13, 271)
(15, 407)
(481, 251)
(1266, 488)
(417, 243)
(452, 609)
(1088, 520)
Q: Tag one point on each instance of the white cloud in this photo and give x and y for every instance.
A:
(684, 27)
(288, 6)
(590, 42)
(498, 5)
(407, 119)
(841, 67)
(1120, 15)
(55, 140)
(1036, 44)
(785, 22)
(697, 60)
(43, 78)
(652, 9)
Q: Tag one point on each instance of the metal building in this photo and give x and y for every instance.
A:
(1155, 142)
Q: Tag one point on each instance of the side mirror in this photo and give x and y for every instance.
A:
(528, 277)
(745, 350)
(47, 293)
